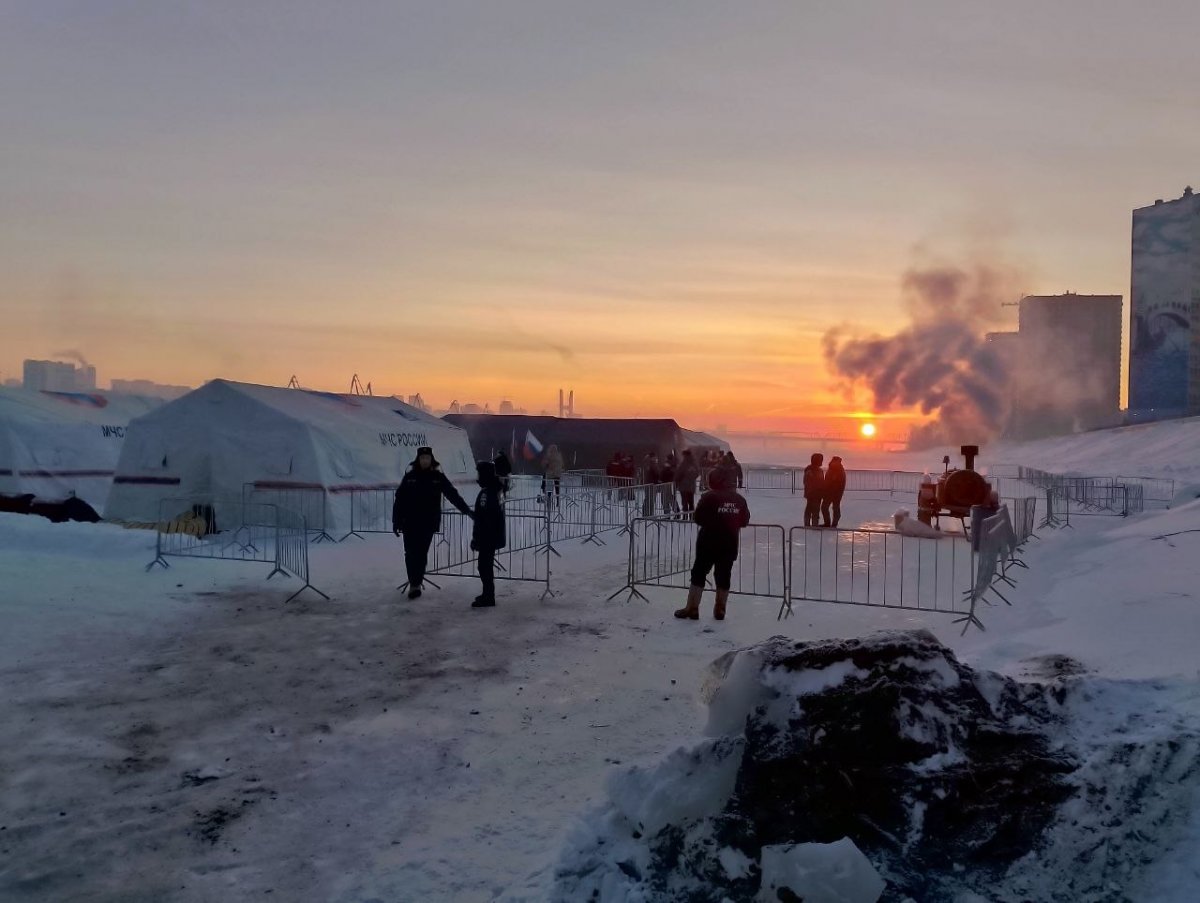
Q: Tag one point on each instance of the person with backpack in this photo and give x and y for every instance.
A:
(831, 494)
(814, 490)
(487, 533)
(417, 512)
(721, 515)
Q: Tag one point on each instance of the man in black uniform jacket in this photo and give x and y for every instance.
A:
(487, 534)
(721, 515)
(417, 513)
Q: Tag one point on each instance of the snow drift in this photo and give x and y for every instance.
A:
(950, 782)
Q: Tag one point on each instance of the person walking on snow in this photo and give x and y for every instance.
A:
(814, 490)
(487, 533)
(721, 514)
(417, 513)
(831, 495)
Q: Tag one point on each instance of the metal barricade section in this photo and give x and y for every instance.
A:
(525, 557)
(234, 530)
(879, 568)
(662, 552)
(310, 502)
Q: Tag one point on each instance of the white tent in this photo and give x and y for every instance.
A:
(55, 444)
(295, 447)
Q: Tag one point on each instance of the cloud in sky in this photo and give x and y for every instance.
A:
(658, 196)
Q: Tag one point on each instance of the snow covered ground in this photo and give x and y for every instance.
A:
(183, 735)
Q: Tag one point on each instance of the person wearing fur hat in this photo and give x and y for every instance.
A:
(487, 533)
(417, 512)
(832, 492)
(721, 515)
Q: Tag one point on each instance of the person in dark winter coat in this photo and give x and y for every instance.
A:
(417, 513)
(487, 533)
(835, 488)
(814, 490)
(732, 470)
(721, 515)
(503, 471)
(666, 485)
(686, 475)
(650, 477)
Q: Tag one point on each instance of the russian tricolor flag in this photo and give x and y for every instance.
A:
(533, 448)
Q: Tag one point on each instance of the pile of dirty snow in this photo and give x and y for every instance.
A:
(883, 768)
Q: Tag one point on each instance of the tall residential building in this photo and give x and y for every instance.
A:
(1068, 376)
(1164, 309)
(57, 376)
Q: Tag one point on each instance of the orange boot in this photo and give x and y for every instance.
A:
(691, 611)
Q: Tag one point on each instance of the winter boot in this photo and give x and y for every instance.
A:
(719, 607)
(414, 592)
(691, 611)
(484, 602)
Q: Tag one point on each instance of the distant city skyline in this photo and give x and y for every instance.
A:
(666, 207)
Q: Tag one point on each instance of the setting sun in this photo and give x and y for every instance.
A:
(867, 429)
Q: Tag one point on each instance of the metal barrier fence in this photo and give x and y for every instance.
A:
(791, 479)
(868, 567)
(310, 502)
(525, 557)
(234, 530)
(879, 568)
(662, 551)
(1086, 495)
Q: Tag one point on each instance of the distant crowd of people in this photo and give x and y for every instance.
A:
(671, 484)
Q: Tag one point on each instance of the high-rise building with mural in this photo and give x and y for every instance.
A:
(1164, 329)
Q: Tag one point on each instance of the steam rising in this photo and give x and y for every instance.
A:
(940, 362)
(72, 354)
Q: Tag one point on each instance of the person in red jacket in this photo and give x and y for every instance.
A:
(831, 495)
(814, 490)
(721, 515)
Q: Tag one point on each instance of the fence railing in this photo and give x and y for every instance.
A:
(868, 567)
(879, 568)
(310, 502)
(525, 557)
(662, 551)
(791, 479)
(234, 530)
(1080, 495)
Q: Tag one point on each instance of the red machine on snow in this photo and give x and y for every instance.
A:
(954, 492)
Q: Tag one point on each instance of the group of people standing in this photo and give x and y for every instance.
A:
(721, 514)
(672, 483)
(823, 491)
(417, 516)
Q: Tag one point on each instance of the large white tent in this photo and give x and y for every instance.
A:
(227, 438)
(57, 444)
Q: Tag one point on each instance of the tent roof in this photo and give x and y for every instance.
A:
(107, 408)
(322, 408)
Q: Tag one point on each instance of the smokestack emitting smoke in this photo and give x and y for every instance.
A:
(74, 355)
(940, 362)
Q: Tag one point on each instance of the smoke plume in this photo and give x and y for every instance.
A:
(72, 354)
(940, 362)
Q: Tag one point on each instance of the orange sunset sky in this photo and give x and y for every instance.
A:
(661, 206)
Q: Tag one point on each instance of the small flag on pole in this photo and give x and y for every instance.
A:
(533, 447)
